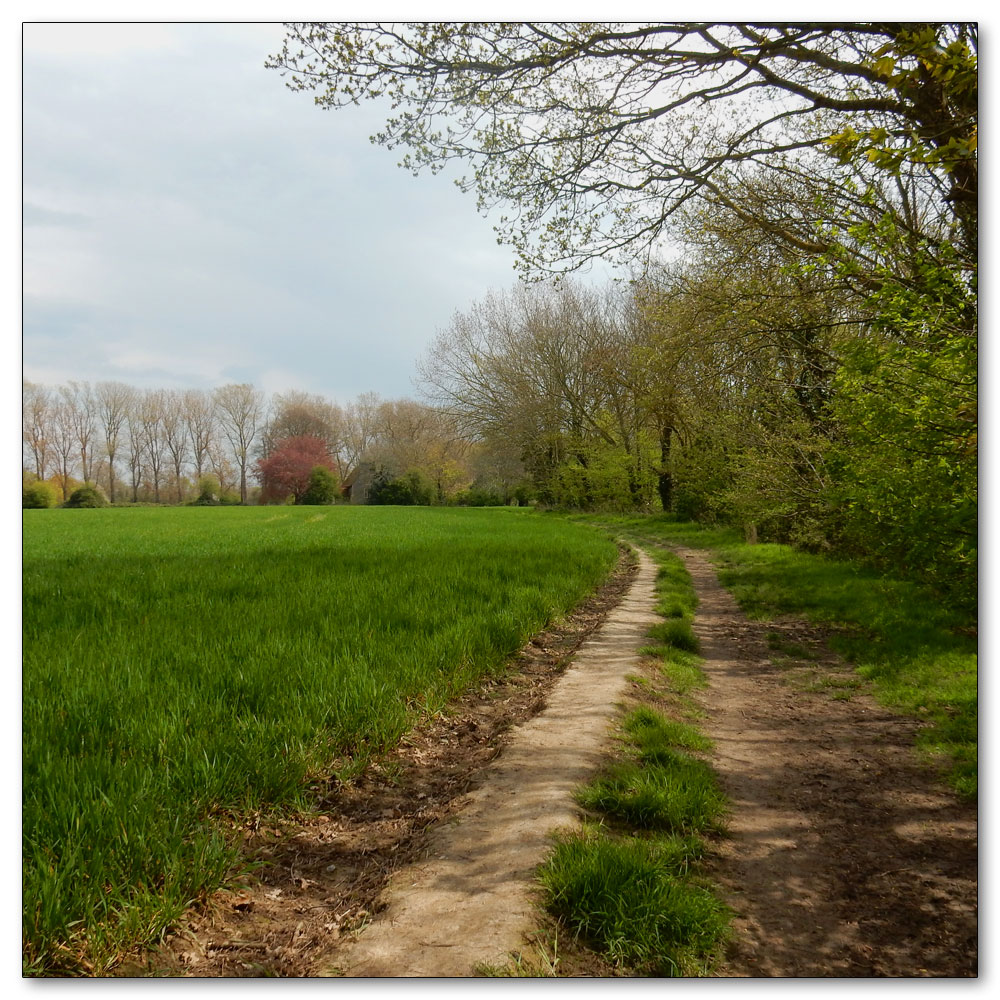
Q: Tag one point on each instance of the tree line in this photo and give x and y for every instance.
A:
(233, 444)
(794, 350)
(798, 206)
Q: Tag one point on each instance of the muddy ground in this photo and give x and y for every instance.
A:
(845, 856)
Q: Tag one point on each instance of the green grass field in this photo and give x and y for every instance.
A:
(184, 665)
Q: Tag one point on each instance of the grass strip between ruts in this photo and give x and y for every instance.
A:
(918, 651)
(628, 886)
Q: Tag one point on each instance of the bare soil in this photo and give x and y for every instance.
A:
(845, 857)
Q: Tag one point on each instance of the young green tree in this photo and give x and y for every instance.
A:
(323, 487)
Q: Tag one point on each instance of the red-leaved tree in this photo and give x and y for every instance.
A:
(287, 470)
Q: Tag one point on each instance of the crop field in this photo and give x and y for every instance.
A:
(185, 665)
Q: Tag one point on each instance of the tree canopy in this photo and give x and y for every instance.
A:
(289, 468)
(593, 135)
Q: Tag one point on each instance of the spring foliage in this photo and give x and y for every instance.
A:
(806, 367)
(290, 470)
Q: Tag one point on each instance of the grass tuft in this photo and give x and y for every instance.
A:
(631, 900)
(668, 790)
(677, 633)
(652, 733)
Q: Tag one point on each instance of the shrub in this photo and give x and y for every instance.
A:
(86, 496)
(38, 495)
(323, 487)
(524, 495)
(412, 489)
(476, 496)
(208, 492)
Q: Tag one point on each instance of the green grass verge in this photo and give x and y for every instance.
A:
(666, 791)
(919, 654)
(186, 666)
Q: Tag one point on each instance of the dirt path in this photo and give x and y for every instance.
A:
(469, 901)
(844, 858)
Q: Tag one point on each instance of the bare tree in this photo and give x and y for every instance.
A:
(150, 419)
(175, 435)
(218, 461)
(136, 450)
(361, 418)
(553, 371)
(199, 418)
(83, 407)
(36, 431)
(63, 441)
(411, 435)
(241, 409)
(301, 414)
(114, 400)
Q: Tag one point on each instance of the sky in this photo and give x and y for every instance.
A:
(188, 221)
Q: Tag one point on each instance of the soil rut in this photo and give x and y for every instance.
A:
(844, 857)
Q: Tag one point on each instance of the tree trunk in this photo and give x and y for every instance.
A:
(664, 478)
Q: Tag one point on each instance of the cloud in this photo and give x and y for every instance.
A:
(80, 40)
(207, 215)
(39, 215)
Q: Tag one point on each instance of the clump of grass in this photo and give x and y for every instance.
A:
(677, 602)
(631, 900)
(682, 669)
(676, 632)
(668, 790)
(652, 733)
